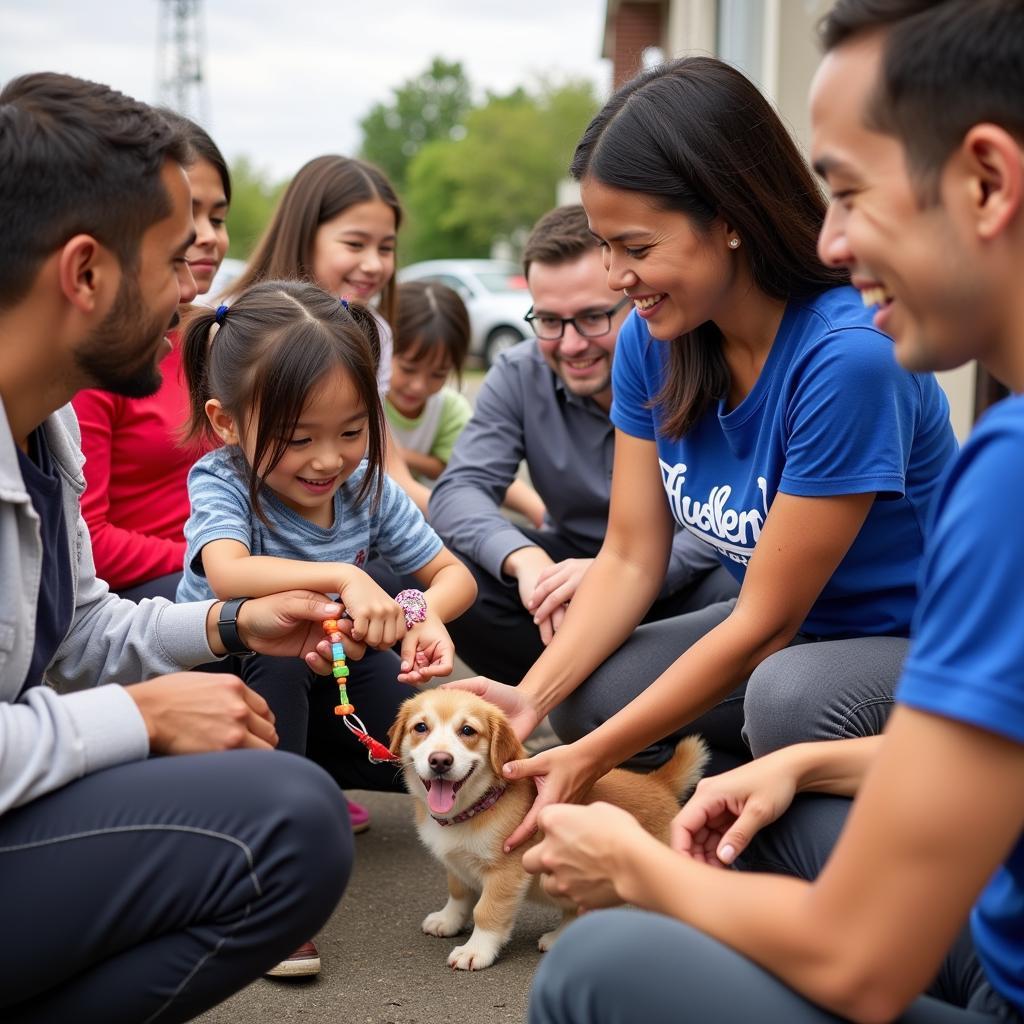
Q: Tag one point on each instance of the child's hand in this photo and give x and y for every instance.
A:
(427, 652)
(377, 620)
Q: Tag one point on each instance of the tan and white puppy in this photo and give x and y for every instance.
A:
(452, 746)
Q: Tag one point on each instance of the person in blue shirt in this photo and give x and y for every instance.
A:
(757, 406)
(918, 131)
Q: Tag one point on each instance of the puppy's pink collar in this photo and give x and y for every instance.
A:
(487, 801)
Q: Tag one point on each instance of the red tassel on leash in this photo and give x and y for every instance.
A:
(379, 754)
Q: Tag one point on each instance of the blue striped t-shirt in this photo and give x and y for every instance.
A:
(218, 491)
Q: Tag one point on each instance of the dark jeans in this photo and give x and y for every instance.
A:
(154, 890)
(618, 966)
(162, 586)
(303, 704)
(497, 636)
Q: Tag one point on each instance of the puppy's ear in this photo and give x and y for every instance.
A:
(398, 727)
(505, 745)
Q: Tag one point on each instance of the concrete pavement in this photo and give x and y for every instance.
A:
(378, 967)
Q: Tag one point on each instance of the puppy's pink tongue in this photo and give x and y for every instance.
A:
(441, 796)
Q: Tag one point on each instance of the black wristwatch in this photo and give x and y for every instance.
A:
(227, 628)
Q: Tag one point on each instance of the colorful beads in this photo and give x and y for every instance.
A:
(338, 667)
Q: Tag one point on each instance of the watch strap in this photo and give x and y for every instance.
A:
(227, 628)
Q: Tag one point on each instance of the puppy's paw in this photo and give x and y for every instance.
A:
(446, 922)
(472, 957)
(547, 940)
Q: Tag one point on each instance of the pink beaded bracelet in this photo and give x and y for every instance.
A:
(414, 604)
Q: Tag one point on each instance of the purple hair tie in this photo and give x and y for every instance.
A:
(218, 317)
(344, 303)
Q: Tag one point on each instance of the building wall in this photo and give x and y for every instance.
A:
(631, 27)
(798, 57)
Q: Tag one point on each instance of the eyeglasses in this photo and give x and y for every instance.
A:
(589, 325)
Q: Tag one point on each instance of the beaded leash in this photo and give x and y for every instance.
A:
(377, 752)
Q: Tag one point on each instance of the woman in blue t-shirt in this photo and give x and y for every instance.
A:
(757, 406)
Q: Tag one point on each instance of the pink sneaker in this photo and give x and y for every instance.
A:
(358, 815)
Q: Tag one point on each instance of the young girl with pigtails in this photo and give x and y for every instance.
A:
(336, 225)
(296, 497)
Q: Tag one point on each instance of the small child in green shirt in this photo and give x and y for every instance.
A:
(431, 341)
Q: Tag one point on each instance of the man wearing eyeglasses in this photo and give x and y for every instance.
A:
(546, 401)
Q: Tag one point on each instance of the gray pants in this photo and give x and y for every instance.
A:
(811, 690)
(621, 966)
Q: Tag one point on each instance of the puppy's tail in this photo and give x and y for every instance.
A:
(683, 770)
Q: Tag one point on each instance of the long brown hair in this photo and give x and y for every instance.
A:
(697, 137)
(271, 348)
(203, 147)
(321, 190)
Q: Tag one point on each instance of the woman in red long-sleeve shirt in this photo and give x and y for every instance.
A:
(136, 499)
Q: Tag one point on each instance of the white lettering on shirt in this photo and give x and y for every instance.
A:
(732, 532)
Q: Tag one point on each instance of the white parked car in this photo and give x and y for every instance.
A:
(229, 271)
(495, 294)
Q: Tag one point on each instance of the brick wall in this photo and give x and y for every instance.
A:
(636, 26)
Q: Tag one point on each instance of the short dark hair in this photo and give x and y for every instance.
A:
(947, 65)
(272, 347)
(696, 137)
(320, 190)
(77, 157)
(560, 236)
(431, 318)
(203, 147)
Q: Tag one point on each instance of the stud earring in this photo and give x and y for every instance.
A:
(734, 243)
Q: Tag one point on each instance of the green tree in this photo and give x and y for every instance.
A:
(495, 182)
(423, 109)
(253, 198)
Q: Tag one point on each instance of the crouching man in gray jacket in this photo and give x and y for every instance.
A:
(133, 888)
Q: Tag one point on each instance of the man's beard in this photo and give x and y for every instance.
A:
(120, 354)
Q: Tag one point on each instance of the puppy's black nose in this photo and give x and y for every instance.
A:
(440, 761)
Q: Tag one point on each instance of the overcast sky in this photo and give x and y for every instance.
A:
(287, 81)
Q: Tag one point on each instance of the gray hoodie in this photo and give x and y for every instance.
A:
(48, 738)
